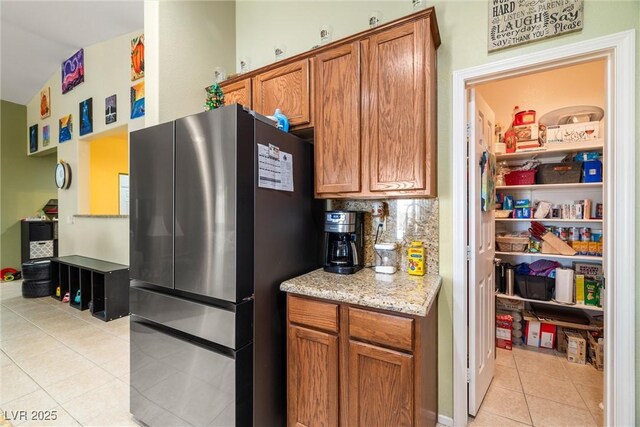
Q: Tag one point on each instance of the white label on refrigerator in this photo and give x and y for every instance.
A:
(275, 168)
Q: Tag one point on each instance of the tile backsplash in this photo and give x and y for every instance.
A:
(406, 220)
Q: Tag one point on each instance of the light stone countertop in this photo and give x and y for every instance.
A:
(398, 292)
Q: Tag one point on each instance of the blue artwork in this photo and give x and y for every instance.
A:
(33, 138)
(137, 100)
(66, 127)
(86, 116)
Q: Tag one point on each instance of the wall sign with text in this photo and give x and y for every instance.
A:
(515, 22)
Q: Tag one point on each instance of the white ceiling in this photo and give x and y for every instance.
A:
(36, 36)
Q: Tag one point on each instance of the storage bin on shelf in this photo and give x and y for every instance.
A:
(535, 287)
(559, 173)
(521, 177)
(512, 242)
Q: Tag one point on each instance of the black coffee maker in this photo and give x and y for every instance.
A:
(343, 241)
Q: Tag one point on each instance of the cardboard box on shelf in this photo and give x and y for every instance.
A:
(504, 326)
(579, 281)
(573, 132)
(540, 334)
(526, 132)
(596, 350)
(561, 343)
(576, 345)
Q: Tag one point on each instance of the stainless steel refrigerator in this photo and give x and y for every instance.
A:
(208, 250)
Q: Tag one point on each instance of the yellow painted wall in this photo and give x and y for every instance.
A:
(108, 158)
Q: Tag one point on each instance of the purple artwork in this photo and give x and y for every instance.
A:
(73, 71)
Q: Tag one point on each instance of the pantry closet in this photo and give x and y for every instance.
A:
(548, 306)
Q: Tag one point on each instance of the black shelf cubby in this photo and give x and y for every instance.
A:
(63, 279)
(74, 285)
(104, 284)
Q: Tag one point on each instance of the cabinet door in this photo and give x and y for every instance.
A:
(380, 386)
(337, 124)
(394, 94)
(312, 378)
(238, 92)
(286, 88)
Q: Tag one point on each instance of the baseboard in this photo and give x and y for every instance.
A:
(445, 421)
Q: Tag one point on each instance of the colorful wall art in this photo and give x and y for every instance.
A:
(137, 100)
(137, 57)
(73, 71)
(66, 128)
(86, 116)
(110, 110)
(46, 135)
(45, 102)
(33, 138)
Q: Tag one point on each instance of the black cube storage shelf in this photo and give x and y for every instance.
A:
(104, 283)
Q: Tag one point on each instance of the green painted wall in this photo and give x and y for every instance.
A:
(463, 29)
(26, 183)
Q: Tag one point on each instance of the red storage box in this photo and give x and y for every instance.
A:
(521, 177)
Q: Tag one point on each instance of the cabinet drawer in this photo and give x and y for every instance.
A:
(384, 329)
(316, 314)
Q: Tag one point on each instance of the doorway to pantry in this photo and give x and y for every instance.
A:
(597, 74)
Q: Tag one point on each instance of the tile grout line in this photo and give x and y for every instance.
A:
(526, 401)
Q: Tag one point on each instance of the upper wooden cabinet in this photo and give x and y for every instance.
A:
(237, 92)
(286, 87)
(395, 116)
(368, 100)
(338, 147)
(391, 120)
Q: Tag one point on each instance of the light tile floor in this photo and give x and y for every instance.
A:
(56, 359)
(538, 387)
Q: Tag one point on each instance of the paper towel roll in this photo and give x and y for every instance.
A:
(564, 285)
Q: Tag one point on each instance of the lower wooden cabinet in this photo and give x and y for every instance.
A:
(352, 366)
(380, 386)
(312, 378)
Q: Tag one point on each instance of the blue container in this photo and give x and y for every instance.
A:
(592, 171)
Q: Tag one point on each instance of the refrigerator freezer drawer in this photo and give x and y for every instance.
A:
(232, 329)
(176, 382)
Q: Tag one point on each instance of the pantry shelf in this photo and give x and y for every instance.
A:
(577, 185)
(554, 150)
(576, 306)
(551, 220)
(539, 255)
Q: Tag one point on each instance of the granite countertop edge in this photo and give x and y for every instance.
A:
(396, 303)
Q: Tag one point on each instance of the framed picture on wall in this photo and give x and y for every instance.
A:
(33, 139)
(45, 102)
(110, 110)
(86, 116)
(46, 135)
(137, 100)
(73, 71)
(66, 128)
(137, 57)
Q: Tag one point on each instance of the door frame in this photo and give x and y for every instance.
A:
(618, 50)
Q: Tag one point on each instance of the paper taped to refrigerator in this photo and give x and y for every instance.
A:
(275, 168)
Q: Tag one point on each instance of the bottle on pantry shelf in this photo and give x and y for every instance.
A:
(415, 258)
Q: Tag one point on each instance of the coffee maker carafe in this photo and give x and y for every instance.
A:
(343, 241)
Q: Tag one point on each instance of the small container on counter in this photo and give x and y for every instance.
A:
(415, 258)
(386, 258)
